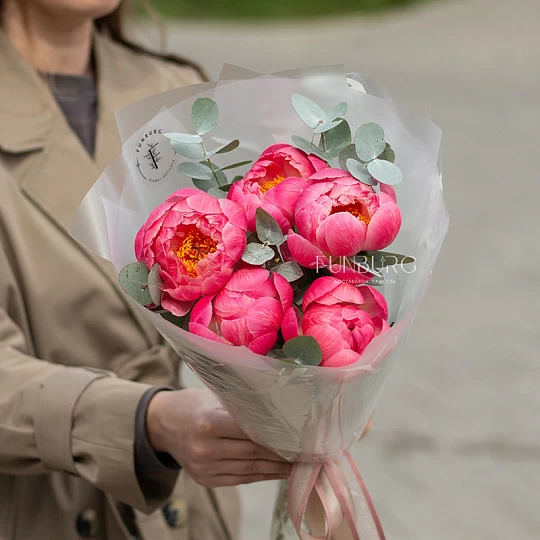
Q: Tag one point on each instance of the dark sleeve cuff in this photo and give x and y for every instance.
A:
(147, 461)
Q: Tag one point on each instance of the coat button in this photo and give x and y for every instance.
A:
(176, 513)
(87, 523)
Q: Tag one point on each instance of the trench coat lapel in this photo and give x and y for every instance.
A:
(60, 172)
(57, 172)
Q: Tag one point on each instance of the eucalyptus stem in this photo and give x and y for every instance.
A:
(211, 165)
(323, 141)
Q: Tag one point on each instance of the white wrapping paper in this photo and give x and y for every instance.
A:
(307, 414)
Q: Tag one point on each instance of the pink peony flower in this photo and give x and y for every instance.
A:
(338, 216)
(247, 311)
(341, 317)
(274, 183)
(196, 239)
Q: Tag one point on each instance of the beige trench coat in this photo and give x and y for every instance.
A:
(66, 425)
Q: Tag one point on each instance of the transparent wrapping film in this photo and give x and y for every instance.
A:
(308, 415)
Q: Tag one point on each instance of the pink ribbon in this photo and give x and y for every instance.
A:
(333, 504)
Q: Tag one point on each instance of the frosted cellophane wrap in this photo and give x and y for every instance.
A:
(302, 413)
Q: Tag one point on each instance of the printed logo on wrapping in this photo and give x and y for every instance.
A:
(155, 156)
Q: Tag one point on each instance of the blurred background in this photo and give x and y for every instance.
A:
(454, 452)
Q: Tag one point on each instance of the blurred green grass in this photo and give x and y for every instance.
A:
(271, 9)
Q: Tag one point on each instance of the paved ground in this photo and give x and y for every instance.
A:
(455, 448)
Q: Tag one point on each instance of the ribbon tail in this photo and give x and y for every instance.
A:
(366, 495)
(332, 502)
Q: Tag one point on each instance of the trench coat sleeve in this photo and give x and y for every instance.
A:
(71, 419)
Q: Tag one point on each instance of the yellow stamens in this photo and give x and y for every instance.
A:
(269, 184)
(356, 209)
(194, 247)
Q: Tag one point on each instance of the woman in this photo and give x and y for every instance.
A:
(94, 440)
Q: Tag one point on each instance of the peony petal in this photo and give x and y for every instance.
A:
(203, 203)
(383, 227)
(374, 302)
(327, 337)
(202, 311)
(291, 325)
(234, 213)
(236, 332)
(341, 234)
(324, 316)
(174, 306)
(263, 344)
(330, 173)
(305, 253)
(344, 357)
(348, 275)
(247, 279)
(388, 191)
(344, 293)
(285, 196)
(319, 288)
(284, 290)
(203, 331)
(265, 316)
(318, 163)
(231, 305)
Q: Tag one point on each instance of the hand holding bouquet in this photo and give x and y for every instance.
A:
(273, 285)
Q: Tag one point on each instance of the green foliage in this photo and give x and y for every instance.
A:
(275, 9)
(268, 229)
(134, 280)
(303, 351)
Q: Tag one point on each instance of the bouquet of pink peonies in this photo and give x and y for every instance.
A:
(273, 284)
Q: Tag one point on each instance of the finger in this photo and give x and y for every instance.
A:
(227, 480)
(252, 467)
(225, 427)
(242, 450)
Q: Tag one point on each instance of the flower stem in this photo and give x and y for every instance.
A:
(323, 141)
(211, 165)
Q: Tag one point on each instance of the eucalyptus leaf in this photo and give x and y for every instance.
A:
(226, 188)
(291, 271)
(186, 138)
(308, 111)
(193, 151)
(258, 254)
(195, 170)
(349, 152)
(304, 351)
(235, 165)
(222, 178)
(268, 229)
(339, 110)
(276, 353)
(237, 179)
(337, 138)
(204, 185)
(360, 172)
(308, 147)
(229, 147)
(181, 322)
(382, 259)
(326, 126)
(388, 154)
(204, 115)
(155, 284)
(385, 172)
(133, 279)
(216, 192)
(369, 141)
(375, 282)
